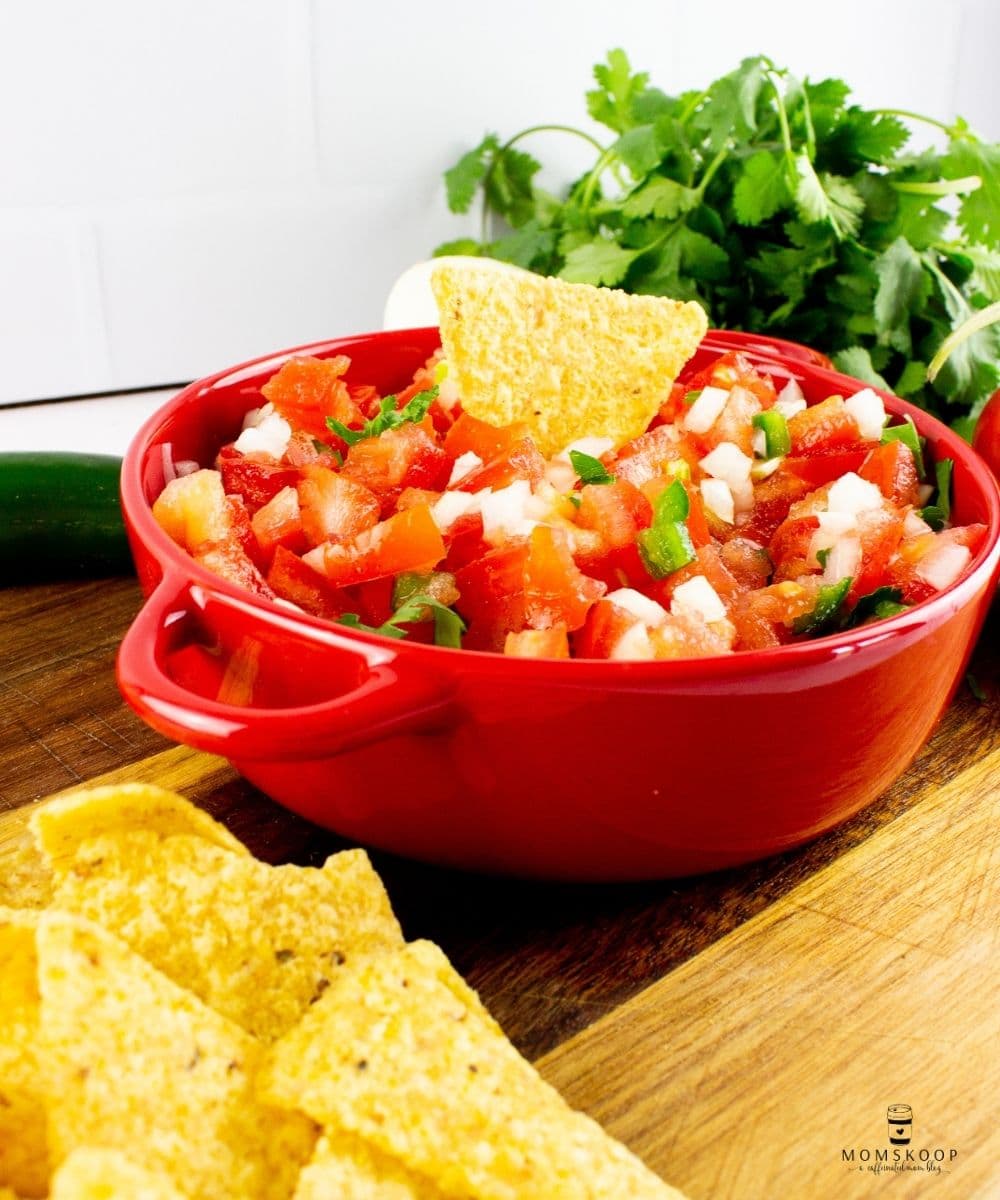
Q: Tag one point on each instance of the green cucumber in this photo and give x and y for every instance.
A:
(60, 517)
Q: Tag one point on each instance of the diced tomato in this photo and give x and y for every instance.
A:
(734, 369)
(230, 561)
(194, 511)
(880, 531)
(306, 391)
(464, 540)
(617, 511)
(279, 523)
(297, 582)
(828, 465)
(521, 461)
(893, 469)
(735, 422)
(241, 531)
(650, 455)
(538, 643)
(789, 547)
(753, 630)
(556, 591)
(604, 628)
(407, 456)
(823, 427)
(747, 561)
(255, 478)
(374, 600)
(902, 571)
(407, 541)
(334, 507)
(773, 497)
(303, 448)
(411, 496)
(470, 435)
(707, 562)
(491, 595)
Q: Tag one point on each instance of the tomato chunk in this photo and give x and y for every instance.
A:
(306, 391)
(408, 541)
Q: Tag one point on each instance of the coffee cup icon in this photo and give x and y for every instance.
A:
(900, 1117)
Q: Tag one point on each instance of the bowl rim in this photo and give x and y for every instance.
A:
(176, 563)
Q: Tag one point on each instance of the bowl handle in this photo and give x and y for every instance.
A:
(386, 695)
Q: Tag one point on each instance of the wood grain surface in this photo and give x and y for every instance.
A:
(740, 1030)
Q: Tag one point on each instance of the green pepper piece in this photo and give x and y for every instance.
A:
(777, 439)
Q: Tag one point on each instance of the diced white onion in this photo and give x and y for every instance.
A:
(790, 400)
(594, 446)
(187, 466)
(943, 565)
(647, 610)
(742, 496)
(867, 409)
(832, 527)
(633, 644)
(560, 474)
(727, 461)
(924, 492)
(464, 465)
(167, 459)
(760, 443)
(696, 596)
(761, 470)
(844, 559)
(255, 415)
(452, 505)
(915, 525)
(269, 436)
(717, 496)
(704, 412)
(852, 494)
(506, 511)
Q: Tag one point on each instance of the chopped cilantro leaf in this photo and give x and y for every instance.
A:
(389, 417)
(875, 606)
(907, 434)
(448, 625)
(588, 468)
(936, 515)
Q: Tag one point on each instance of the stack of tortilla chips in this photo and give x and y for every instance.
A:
(182, 1020)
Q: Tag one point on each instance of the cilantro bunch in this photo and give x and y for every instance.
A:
(782, 208)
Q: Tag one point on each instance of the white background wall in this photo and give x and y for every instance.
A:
(187, 184)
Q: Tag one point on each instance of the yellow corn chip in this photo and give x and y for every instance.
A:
(60, 825)
(137, 1062)
(343, 1167)
(400, 1052)
(7, 1194)
(95, 1174)
(24, 1154)
(569, 359)
(257, 943)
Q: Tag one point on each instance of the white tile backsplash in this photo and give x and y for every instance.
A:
(189, 184)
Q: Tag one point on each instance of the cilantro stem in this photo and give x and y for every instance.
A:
(951, 130)
(943, 187)
(710, 170)
(779, 100)
(978, 320)
(509, 144)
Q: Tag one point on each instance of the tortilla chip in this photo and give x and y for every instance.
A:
(60, 825)
(24, 1151)
(344, 1167)
(136, 1061)
(569, 359)
(97, 1174)
(257, 943)
(402, 1053)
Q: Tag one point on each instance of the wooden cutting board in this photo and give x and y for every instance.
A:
(764, 1064)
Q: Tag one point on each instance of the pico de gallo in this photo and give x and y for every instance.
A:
(742, 519)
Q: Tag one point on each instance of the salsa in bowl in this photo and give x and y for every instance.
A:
(556, 767)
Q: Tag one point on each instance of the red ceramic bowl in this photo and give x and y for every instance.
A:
(581, 770)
